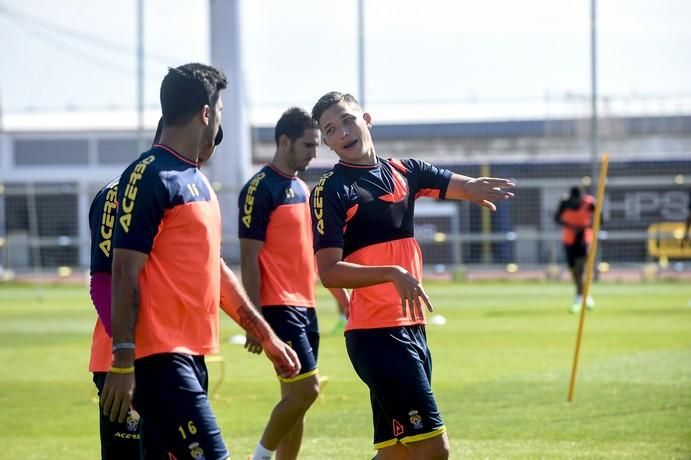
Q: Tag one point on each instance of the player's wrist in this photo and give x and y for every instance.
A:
(123, 358)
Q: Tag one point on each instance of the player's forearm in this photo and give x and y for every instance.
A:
(456, 189)
(349, 275)
(236, 303)
(124, 308)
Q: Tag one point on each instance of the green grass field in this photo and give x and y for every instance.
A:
(501, 372)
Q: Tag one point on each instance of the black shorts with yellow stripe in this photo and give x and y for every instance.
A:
(298, 327)
(396, 365)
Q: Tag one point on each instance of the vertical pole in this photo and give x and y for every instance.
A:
(361, 51)
(592, 254)
(141, 143)
(231, 164)
(594, 127)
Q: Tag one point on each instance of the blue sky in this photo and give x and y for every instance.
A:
(80, 54)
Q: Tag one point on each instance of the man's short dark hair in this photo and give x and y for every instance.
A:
(329, 99)
(293, 124)
(186, 89)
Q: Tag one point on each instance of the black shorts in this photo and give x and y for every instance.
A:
(575, 251)
(171, 396)
(118, 440)
(298, 327)
(396, 365)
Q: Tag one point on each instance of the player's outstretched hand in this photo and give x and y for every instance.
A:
(252, 345)
(116, 396)
(412, 294)
(284, 358)
(484, 191)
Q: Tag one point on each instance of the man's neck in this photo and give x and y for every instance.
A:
(368, 159)
(278, 163)
(182, 141)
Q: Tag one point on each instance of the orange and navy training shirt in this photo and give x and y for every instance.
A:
(102, 225)
(368, 212)
(168, 210)
(578, 214)
(273, 209)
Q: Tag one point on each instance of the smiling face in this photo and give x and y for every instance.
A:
(346, 131)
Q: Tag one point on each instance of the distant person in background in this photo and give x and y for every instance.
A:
(575, 215)
(279, 273)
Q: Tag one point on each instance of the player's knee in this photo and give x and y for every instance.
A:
(434, 449)
(305, 395)
(436, 453)
(311, 393)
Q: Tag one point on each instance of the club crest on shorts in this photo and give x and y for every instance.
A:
(132, 421)
(196, 451)
(415, 419)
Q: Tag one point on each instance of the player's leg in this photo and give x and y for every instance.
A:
(396, 366)
(573, 254)
(171, 395)
(436, 448)
(151, 447)
(283, 432)
(395, 452)
(298, 327)
(118, 440)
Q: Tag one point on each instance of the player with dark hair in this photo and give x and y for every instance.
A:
(575, 215)
(281, 277)
(118, 440)
(169, 280)
(362, 216)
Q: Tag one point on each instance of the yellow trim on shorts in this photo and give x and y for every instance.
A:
(384, 444)
(297, 378)
(423, 436)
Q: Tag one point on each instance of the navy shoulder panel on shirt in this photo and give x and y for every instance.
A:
(102, 214)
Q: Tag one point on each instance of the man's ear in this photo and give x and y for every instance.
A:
(325, 142)
(284, 142)
(368, 119)
(204, 114)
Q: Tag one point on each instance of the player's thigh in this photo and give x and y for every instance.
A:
(171, 397)
(436, 448)
(293, 326)
(302, 390)
(395, 369)
(118, 440)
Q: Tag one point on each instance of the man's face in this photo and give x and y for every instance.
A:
(206, 148)
(346, 132)
(301, 152)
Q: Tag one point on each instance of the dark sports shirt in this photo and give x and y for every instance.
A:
(368, 212)
(168, 210)
(273, 208)
(102, 214)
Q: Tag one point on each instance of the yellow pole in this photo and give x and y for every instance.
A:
(589, 270)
